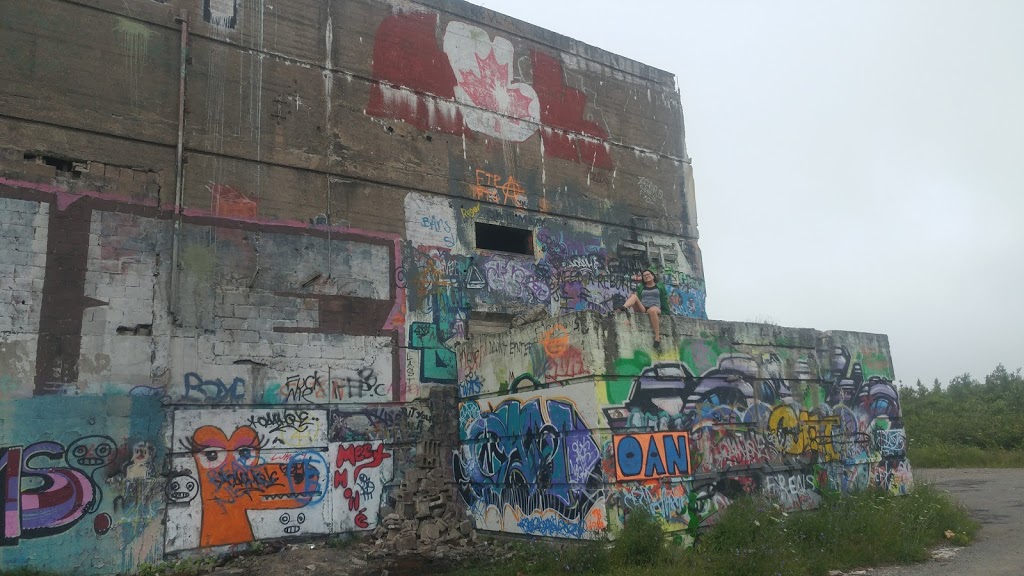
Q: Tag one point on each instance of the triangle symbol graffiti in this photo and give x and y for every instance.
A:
(474, 279)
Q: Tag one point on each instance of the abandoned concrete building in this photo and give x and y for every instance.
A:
(284, 269)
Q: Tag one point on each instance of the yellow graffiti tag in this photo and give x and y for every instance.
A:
(797, 433)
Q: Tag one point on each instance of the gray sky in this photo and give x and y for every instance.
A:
(859, 165)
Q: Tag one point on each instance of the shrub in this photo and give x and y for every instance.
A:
(641, 541)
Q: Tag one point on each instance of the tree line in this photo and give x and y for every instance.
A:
(986, 414)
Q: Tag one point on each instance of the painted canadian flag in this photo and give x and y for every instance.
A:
(496, 105)
(468, 86)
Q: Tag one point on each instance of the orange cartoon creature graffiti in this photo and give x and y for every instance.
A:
(234, 479)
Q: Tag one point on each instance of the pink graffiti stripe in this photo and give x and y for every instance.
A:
(62, 502)
(10, 463)
(64, 198)
(11, 519)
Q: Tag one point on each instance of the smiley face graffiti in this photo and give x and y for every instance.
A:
(182, 488)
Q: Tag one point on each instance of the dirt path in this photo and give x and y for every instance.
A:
(996, 499)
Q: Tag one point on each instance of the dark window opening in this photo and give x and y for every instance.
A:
(504, 239)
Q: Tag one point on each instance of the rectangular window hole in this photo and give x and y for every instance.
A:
(504, 239)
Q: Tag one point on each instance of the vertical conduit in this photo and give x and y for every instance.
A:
(179, 169)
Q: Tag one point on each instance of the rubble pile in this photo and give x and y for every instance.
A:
(427, 515)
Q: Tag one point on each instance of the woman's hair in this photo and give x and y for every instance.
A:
(651, 271)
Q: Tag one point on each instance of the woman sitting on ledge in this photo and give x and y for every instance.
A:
(650, 297)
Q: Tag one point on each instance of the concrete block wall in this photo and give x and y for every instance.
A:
(567, 424)
(259, 361)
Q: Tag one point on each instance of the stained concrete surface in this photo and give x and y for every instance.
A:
(996, 499)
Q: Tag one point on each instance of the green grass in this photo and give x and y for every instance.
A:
(754, 538)
(957, 456)
(866, 529)
(186, 567)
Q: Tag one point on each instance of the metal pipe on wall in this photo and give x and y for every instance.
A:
(179, 174)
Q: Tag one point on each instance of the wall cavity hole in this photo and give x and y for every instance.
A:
(137, 330)
(504, 238)
(60, 164)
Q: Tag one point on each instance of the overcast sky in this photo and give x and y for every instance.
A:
(859, 164)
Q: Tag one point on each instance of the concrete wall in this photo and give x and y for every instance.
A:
(568, 424)
(256, 362)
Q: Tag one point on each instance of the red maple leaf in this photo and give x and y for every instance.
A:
(491, 88)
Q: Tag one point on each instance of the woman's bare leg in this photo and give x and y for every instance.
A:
(633, 303)
(655, 313)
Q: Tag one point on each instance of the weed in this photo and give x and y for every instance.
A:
(341, 542)
(641, 541)
(589, 558)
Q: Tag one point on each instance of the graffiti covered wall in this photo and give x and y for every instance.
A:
(723, 409)
(241, 341)
(236, 325)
